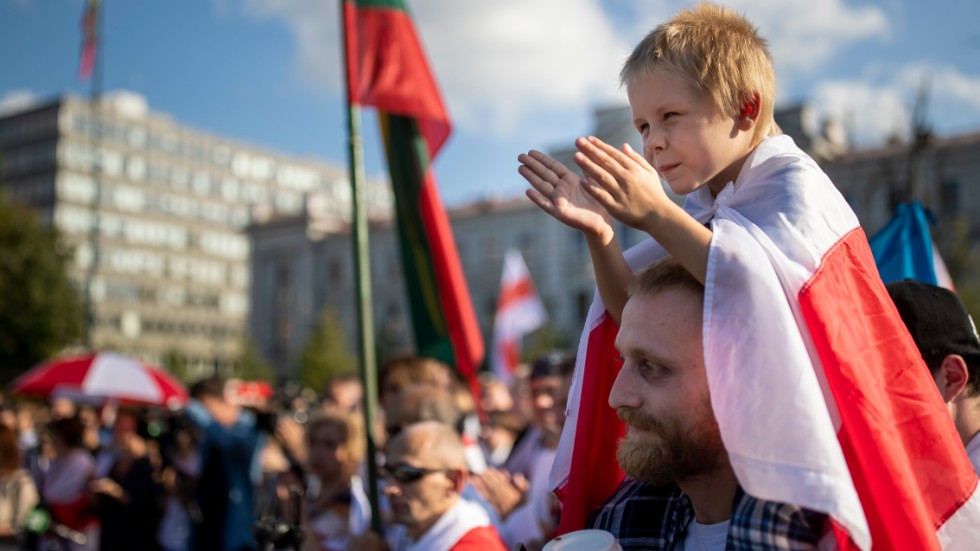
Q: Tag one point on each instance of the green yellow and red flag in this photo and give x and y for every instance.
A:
(388, 70)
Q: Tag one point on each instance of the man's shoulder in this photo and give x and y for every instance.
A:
(641, 516)
(481, 538)
(759, 523)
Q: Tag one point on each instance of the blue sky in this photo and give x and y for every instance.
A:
(516, 74)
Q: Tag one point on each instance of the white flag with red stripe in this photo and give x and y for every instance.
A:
(820, 394)
(519, 311)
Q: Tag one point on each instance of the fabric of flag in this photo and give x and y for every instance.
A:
(821, 397)
(90, 39)
(519, 312)
(388, 70)
(904, 248)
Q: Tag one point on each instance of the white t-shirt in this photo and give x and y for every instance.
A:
(706, 537)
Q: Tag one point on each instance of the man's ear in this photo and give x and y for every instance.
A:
(458, 478)
(952, 377)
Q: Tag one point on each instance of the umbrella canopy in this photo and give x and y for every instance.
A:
(102, 376)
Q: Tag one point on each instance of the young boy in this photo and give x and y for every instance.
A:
(798, 328)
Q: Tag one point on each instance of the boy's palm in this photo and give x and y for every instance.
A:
(559, 192)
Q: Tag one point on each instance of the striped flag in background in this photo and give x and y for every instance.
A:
(388, 70)
(519, 312)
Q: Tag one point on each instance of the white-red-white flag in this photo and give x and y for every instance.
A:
(519, 311)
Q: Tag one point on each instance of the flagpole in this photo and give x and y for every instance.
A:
(95, 119)
(362, 271)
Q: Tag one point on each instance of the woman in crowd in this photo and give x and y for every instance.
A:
(64, 488)
(128, 500)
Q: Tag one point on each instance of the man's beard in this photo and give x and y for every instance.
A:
(677, 453)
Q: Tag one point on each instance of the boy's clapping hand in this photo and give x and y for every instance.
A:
(559, 192)
(623, 182)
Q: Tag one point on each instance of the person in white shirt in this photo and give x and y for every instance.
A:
(947, 339)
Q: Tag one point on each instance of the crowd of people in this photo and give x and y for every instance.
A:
(223, 474)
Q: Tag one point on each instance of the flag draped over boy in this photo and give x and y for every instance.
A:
(819, 391)
(388, 70)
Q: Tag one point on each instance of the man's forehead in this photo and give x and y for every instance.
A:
(667, 315)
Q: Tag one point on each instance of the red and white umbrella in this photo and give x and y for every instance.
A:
(102, 376)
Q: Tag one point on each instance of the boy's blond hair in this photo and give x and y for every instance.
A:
(721, 52)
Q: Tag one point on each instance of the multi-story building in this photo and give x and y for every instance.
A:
(156, 213)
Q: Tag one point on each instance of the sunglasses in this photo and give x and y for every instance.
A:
(407, 474)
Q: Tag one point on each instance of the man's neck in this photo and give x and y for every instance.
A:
(416, 531)
(711, 494)
(966, 417)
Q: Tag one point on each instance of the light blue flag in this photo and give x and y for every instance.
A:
(904, 249)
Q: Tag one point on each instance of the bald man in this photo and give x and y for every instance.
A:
(425, 468)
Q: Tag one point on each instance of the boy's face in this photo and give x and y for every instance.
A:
(686, 137)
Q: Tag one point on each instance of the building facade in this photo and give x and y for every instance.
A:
(156, 214)
(299, 271)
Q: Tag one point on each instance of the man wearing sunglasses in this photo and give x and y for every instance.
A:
(425, 469)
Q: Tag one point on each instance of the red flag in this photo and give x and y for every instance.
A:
(90, 39)
(387, 69)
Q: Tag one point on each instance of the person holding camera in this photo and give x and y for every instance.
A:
(225, 490)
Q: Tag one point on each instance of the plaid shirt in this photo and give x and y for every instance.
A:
(642, 517)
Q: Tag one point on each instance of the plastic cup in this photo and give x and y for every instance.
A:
(584, 540)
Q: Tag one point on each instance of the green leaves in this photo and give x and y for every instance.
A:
(40, 308)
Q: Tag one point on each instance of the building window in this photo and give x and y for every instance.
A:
(949, 196)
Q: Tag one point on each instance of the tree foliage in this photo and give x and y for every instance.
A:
(40, 309)
(251, 366)
(326, 352)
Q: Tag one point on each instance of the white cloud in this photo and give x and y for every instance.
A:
(870, 112)
(16, 100)
(946, 85)
(881, 104)
(504, 61)
(803, 35)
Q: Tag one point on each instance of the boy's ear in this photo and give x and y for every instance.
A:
(750, 109)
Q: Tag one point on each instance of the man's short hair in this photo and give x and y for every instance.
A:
(940, 325)
(555, 363)
(439, 438)
(720, 52)
(403, 371)
(213, 387)
(662, 275)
